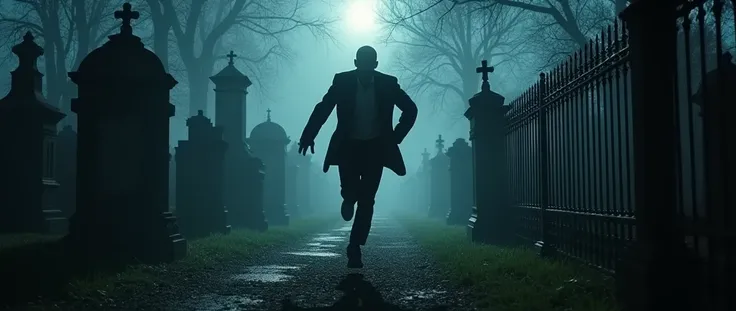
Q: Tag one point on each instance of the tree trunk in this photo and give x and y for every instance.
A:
(161, 27)
(198, 87)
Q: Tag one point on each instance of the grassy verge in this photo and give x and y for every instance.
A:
(33, 258)
(503, 279)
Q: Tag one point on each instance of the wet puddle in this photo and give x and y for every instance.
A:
(422, 294)
(317, 253)
(321, 245)
(214, 302)
(266, 274)
(329, 239)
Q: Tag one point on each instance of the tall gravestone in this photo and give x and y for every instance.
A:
(461, 182)
(269, 141)
(304, 182)
(491, 218)
(66, 170)
(200, 164)
(123, 113)
(293, 173)
(424, 179)
(172, 179)
(27, 134)
(244, 176)
(439, 203)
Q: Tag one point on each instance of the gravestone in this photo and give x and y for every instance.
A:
(424, 183)
(200, 164)
(269, 141)
(461, 182)
(28, 134)
(304, 183)
(293, 173)
(439, 203)
(172, 180)
(244, 176)
(66, 170)
(491, 217)
(123, 113)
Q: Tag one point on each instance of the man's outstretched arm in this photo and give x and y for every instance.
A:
(320, 114)
(408, 111)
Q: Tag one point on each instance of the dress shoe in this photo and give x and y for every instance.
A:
(347, 210)
(354, 257)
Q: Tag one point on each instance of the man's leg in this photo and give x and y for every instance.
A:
(349, 188)
(370, 180)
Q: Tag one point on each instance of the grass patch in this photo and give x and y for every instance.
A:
(40, 270)
(511, 279)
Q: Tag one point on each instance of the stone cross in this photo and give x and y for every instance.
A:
(440, 144)
(484, 70)
(268, 115)
(231, 56)
(126, 15)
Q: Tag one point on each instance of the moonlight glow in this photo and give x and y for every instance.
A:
(360, 15)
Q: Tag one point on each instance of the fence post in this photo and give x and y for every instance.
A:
(487, 115)
(544, 245)
(652, 275)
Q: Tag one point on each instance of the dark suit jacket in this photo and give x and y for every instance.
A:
(342, 94)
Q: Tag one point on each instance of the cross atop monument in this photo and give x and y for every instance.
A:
(268, 115)
(126, 15)
(425, 155)
(484, 70)
(440, 143)
(231, 56)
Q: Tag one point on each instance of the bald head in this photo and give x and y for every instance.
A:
(366, 58)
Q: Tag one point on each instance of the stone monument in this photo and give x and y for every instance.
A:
(28, 134)
(66, 170)
(200, 165)
(490, 220)
(439, 203)
(269, 141)
(123, 113)
(461, 182)
(244, 176)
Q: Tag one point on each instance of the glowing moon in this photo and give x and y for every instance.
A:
(360, 15)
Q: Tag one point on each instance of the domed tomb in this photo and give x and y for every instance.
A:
(123, 113)
(268, 142)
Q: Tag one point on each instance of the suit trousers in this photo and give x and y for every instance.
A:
(361, 168)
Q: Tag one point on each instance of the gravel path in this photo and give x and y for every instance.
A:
(312, 275)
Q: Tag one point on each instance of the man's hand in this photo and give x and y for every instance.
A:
(304, 145)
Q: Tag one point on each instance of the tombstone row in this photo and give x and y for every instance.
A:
(115, 172)
(443, 185)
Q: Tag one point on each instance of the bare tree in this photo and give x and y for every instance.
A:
(199, 27)
(441, 47)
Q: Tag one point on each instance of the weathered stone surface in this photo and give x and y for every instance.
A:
(123, 113)
(28, 138)
(269, 142)
(200, 166)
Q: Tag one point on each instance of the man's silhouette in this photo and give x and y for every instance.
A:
(365, 140)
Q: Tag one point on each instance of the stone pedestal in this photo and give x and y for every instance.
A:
(293, 172)
(461, 182)
(200, 166)
(439, 203)
(28, 134)
(243, 177)
(66, 171)
(269, 142)
(304, 183)
(123, 113)
(492, 217)
(656, 273)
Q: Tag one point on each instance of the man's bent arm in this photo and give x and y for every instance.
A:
(408, 112)
(320, 113)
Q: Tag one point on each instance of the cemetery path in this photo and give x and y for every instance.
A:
(312, 274)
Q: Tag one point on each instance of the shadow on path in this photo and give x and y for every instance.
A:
(359, 294)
